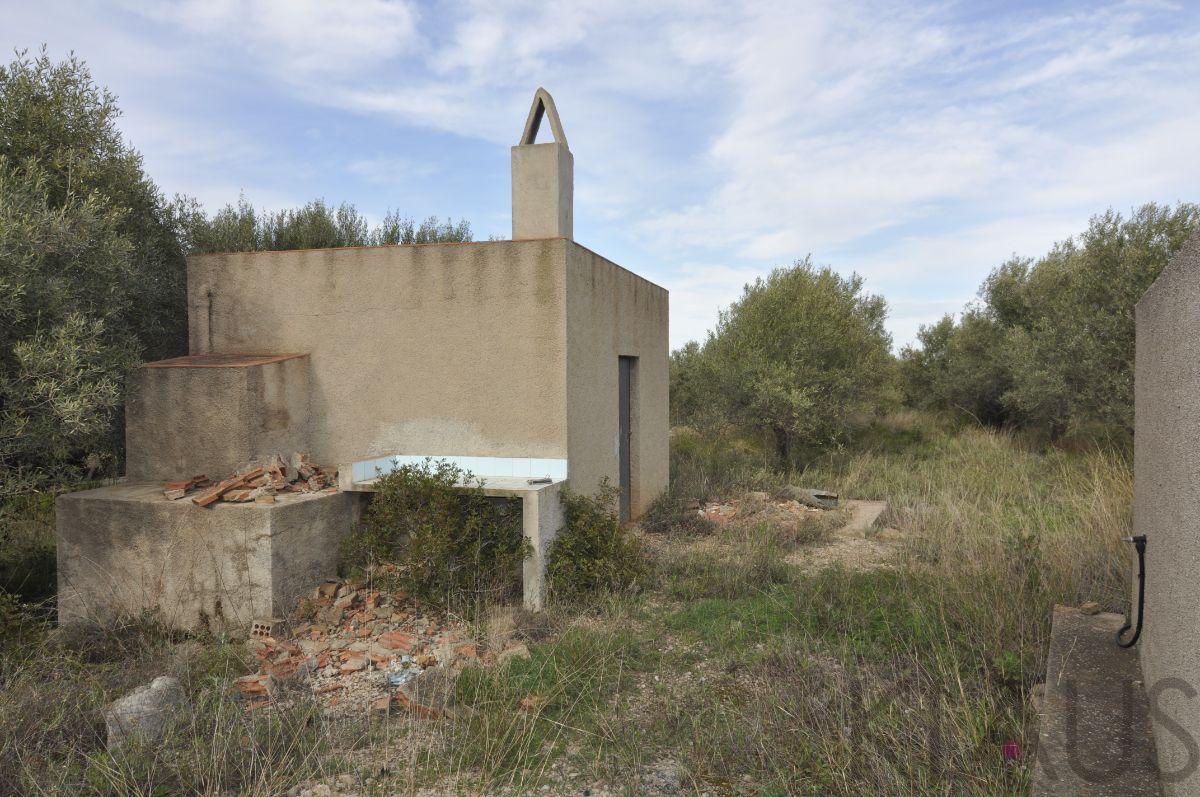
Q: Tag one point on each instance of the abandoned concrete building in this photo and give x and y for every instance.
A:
(531, 362)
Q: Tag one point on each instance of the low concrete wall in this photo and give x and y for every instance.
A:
(203, 415)
(125, 549)
(1167, 507)
(612, 312)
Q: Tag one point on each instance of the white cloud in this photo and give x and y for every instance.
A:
(389, 170)
(299, 39)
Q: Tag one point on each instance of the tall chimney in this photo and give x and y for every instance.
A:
(543, 178)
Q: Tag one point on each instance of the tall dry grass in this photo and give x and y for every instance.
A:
(748, 674)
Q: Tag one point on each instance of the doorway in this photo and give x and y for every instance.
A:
(626, 373)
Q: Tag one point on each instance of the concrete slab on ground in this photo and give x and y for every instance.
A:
(1095, 736)
(863, 515)
(856, 545)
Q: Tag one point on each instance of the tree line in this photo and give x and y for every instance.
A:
(1048, 345)
(802, 360)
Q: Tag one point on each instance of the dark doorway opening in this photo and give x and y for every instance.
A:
(626, 368)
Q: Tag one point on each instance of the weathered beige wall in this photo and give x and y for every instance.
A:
(455, 349)
(184, 421)
(124, 549)
(612, 312)
(1167, 499)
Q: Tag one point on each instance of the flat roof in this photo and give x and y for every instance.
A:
(223, 360)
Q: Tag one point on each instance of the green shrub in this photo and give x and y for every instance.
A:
(92, 276)
(716, 464)
(1049, 347)
(797, 360)
(451, 545)
(593, 551)
(27, 552)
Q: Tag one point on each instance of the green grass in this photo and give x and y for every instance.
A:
(27, 546)
(751, 675)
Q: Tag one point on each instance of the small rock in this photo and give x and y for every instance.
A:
(146, 711)
(313, 647)
(517, 651)
(661, 778)
(354, 664)
(397, 640)
(331, 615)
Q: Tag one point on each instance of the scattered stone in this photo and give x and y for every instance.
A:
(661, 778)
(818, 499)
(354, 664)
(146, 711)
(397, 640)
(517, 651)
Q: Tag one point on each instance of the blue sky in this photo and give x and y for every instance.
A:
(918, 145)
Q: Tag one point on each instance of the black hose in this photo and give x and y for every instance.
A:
(1139, 542)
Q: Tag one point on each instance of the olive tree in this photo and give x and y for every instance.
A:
(799, 357)
(91, 273)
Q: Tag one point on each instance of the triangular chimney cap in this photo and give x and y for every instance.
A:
(543, 104)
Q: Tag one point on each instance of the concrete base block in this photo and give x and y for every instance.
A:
(125, 549)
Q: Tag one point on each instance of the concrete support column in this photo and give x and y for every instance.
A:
(542, 518)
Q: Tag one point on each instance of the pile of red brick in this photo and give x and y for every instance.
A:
(258, 483)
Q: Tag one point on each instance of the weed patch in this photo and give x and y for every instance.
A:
(593, 552)
(451, 545)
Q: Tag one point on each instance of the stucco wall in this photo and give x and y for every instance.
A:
(452, 349)
(612, 312)
(183, 420)
(1167, 498)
